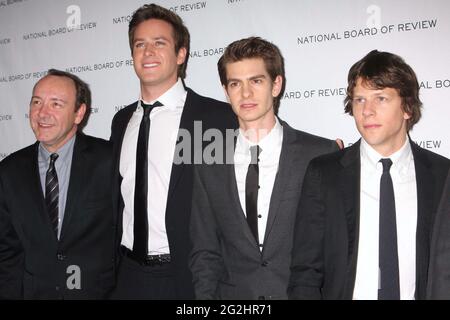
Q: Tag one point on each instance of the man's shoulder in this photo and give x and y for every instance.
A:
(95, 143)
(431, 156)
(203, 101)
(307, 139)
(437, 165)
(17, 158)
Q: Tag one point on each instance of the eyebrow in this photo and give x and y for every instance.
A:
(52, 99)
(154, 39)
(251, 78)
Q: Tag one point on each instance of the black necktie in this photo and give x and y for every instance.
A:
(251, 191)
(389, 282)
(140, 226)
(52, 192)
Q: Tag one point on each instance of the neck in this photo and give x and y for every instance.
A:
(153, 92)
(255, 131)
(388, 150)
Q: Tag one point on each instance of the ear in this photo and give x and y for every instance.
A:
(181, 55)
(79, 114)
(277, 85)
(406, 116)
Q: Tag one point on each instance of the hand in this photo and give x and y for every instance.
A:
(340, 143)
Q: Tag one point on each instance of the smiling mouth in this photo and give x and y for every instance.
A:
(150, 65)
(45, 125)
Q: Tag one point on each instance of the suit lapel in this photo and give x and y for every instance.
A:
(38, 196)
(78, 178)
(349, 186)
(117, 135)
(188, 116)
(233, 191)
(290, 151)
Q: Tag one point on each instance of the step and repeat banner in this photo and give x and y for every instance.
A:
(320, 40)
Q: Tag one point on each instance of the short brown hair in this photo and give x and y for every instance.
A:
(180, 32)
(382, 70)
(255, 47)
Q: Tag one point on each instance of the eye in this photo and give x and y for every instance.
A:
(358, 101)
(139, 44)
(159, 43)
(382, 99)
(257, 81)
(233, 84)
(35, 102)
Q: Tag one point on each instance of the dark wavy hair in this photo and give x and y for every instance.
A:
(382, 70)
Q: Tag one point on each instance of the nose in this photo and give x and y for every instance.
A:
(43, 110)
(246, 90)
(368, 108)
(149, 50)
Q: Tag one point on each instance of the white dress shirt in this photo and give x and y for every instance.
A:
(405, 191)
(268, 166)
(164, 125)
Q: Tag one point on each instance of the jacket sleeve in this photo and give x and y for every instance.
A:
(307, 253)
(206, 262)
(11, 253)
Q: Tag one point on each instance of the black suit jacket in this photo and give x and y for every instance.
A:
(212, 114)
(439, 275)
(327, 225)
(226, 261)
(33, 263)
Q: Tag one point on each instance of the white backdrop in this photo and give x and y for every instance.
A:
(320, 40)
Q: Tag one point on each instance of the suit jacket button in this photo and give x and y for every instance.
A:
(265, 263)
(60, 257)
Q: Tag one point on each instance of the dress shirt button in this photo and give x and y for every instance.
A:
(61, 257)
(259, 216)
(265, 263)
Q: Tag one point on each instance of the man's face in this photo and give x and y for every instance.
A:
(250, 91)
(154, 57)
(52, 111)
(379, 117)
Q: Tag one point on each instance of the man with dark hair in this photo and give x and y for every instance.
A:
(243, 212)
(56, 235)
(366, 213)
(152, 189)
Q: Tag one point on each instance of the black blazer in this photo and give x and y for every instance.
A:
(226, 261)
(327, 225)
(33, 263)
(213, 114)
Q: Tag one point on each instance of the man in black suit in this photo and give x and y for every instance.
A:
(439, 274)
(366, 213)
(243, 212)
(56, 222)
(149, 159)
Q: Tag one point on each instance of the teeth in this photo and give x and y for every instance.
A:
(150, 65)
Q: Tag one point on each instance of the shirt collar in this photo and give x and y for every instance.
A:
(401, 159)
(173, 99)
(63, 152)
(268, 144)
